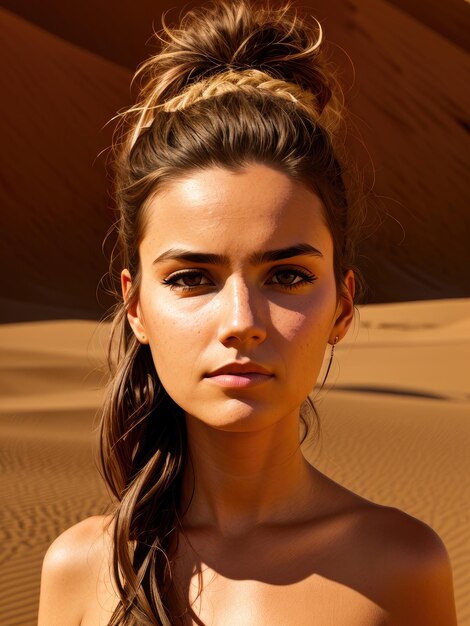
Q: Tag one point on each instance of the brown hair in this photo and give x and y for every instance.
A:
(232, 84)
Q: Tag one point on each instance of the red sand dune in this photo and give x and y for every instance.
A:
(55, 209)
(409, 102)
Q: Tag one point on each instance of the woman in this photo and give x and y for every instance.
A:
(237, 242)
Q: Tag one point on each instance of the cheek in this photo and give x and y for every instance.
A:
(304, 334)
(310, 322)
(304, 354)
(175, 339)
(289, 324)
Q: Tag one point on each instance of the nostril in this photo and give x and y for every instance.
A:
(252, 333)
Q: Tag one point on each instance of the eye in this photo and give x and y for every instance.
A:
(187, 280)
(291, 277)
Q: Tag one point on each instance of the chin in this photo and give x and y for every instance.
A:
(235, 415)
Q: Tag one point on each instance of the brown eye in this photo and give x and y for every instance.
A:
(287, 277)
(191, 280)
(291, 278)
(187, 280)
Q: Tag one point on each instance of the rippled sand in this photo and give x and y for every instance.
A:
(395, 424)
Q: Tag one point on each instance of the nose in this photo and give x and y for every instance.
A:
(241, 314)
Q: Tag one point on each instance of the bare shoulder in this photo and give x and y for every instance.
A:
(399, 538)
(78, 546)
(412, 564)
(70, 567)
(402, 532)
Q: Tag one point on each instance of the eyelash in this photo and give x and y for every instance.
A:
(306, 277)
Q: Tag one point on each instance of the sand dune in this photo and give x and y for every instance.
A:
(62, 82)
(51, 378)
(399, 448)
(55, 208)
(413, 349)
(48, 482)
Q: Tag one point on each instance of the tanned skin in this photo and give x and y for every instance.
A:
(271, 540)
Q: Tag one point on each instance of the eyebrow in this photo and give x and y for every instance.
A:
(257, 258)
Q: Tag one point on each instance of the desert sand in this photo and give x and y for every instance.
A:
(395, 425)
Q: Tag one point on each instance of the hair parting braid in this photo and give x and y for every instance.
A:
(242, 80)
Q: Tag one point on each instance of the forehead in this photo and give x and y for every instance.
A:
(221, 210)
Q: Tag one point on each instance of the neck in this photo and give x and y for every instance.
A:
(236, 481)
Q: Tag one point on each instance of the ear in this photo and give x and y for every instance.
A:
(134, 313)
(344, 314)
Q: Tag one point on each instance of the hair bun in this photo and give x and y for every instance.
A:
(224, 35)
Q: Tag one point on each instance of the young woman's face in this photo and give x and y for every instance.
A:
(238, 297)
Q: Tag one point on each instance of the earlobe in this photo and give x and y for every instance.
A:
(134, 314)
(345, 310)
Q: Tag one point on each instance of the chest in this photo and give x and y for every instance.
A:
(260, 582)
(314, 601)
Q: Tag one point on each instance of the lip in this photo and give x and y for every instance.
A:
(237, 374)
(239, 367)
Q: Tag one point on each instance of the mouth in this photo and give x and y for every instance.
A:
(240, 375)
